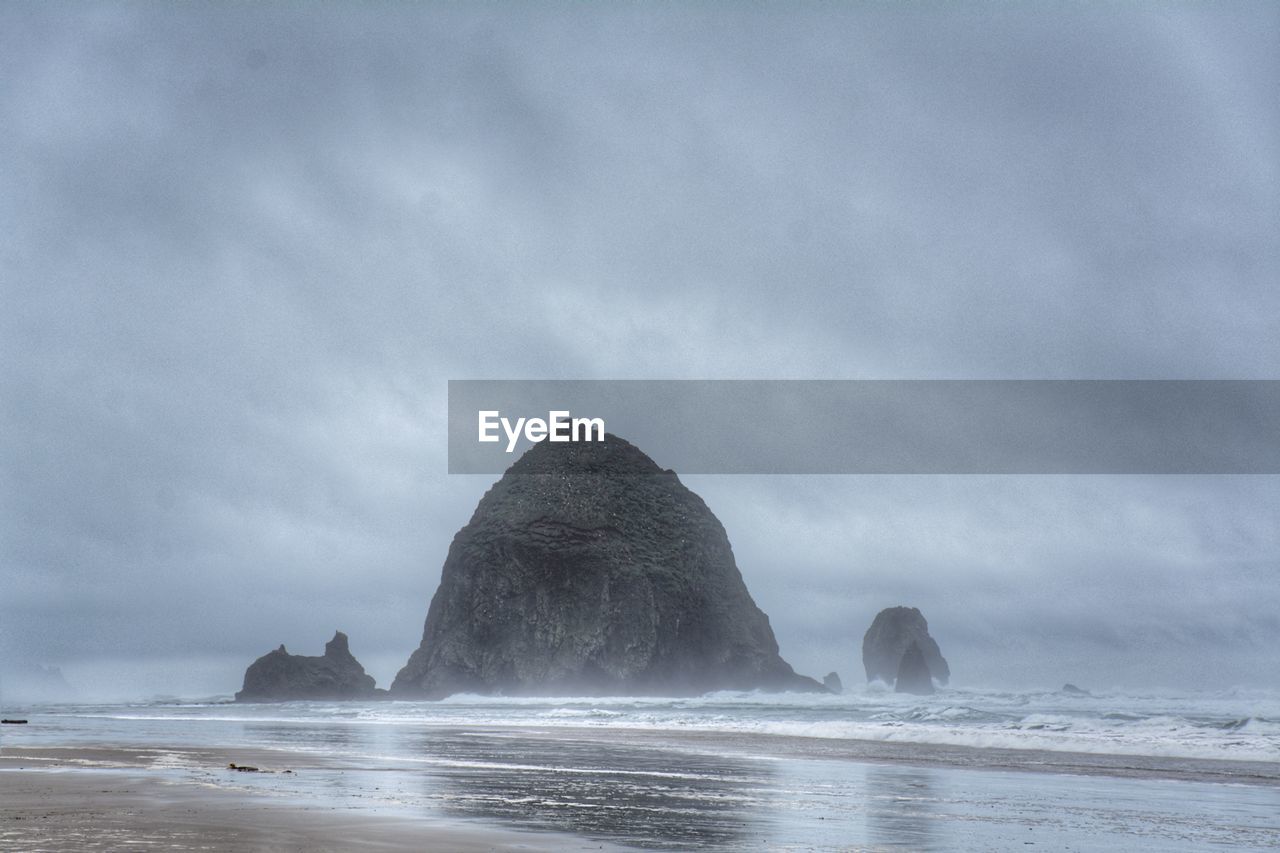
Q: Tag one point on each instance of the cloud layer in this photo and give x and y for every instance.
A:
(243, 249)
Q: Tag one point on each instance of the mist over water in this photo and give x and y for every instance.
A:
(1239, 724)
(1027, 583)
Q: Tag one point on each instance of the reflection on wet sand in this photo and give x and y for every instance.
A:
(902, 808)
(335, 737)
(644, 796)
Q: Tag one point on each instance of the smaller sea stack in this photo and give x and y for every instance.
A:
(886, 641)
(913, 673)
(279, 676)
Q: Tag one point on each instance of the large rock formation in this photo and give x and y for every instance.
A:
(831, 681)
(892, 631)
(913, 673)
(279, 676)
(587, 569)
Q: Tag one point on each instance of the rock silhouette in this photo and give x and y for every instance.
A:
(832, 682)
(891, 632)
(587, 569)
(913, 673)
(280, 676)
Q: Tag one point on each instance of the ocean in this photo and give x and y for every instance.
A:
(866, 770)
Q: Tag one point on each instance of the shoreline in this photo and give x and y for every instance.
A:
(946, 756)
(86, 800)
(524, 788)
(767, 745)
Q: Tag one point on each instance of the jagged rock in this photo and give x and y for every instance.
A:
(913, 673)
(832, 682)
(891, 632)
(280, 676)
(1072, 690)
(587, 569)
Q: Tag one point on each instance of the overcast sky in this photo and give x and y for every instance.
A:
(244, 247)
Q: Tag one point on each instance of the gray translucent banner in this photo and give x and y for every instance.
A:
(893, 426)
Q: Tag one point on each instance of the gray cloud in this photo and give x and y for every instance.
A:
(243, 249)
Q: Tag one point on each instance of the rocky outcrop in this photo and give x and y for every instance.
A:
(892, 631)
(587, 569)
(913, 673)
(279, 676)
(832, 682)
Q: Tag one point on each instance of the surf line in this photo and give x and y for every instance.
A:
(559, 426)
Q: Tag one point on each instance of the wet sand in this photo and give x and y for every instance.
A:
(1265, 773)
(100, 799)
(530, 789)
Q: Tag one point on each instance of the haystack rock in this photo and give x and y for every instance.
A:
(279, 676)
(589, 570)
(892, 631)
(913, 673)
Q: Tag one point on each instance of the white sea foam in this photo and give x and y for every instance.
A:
(1235, 724)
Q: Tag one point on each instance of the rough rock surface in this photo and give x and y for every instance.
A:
(913, 673)
(894, 629)
(589, 570)
(832, 682)
(280, 676)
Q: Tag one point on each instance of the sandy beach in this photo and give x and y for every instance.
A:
(104, 810)
(99, 799)
(533, 789)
